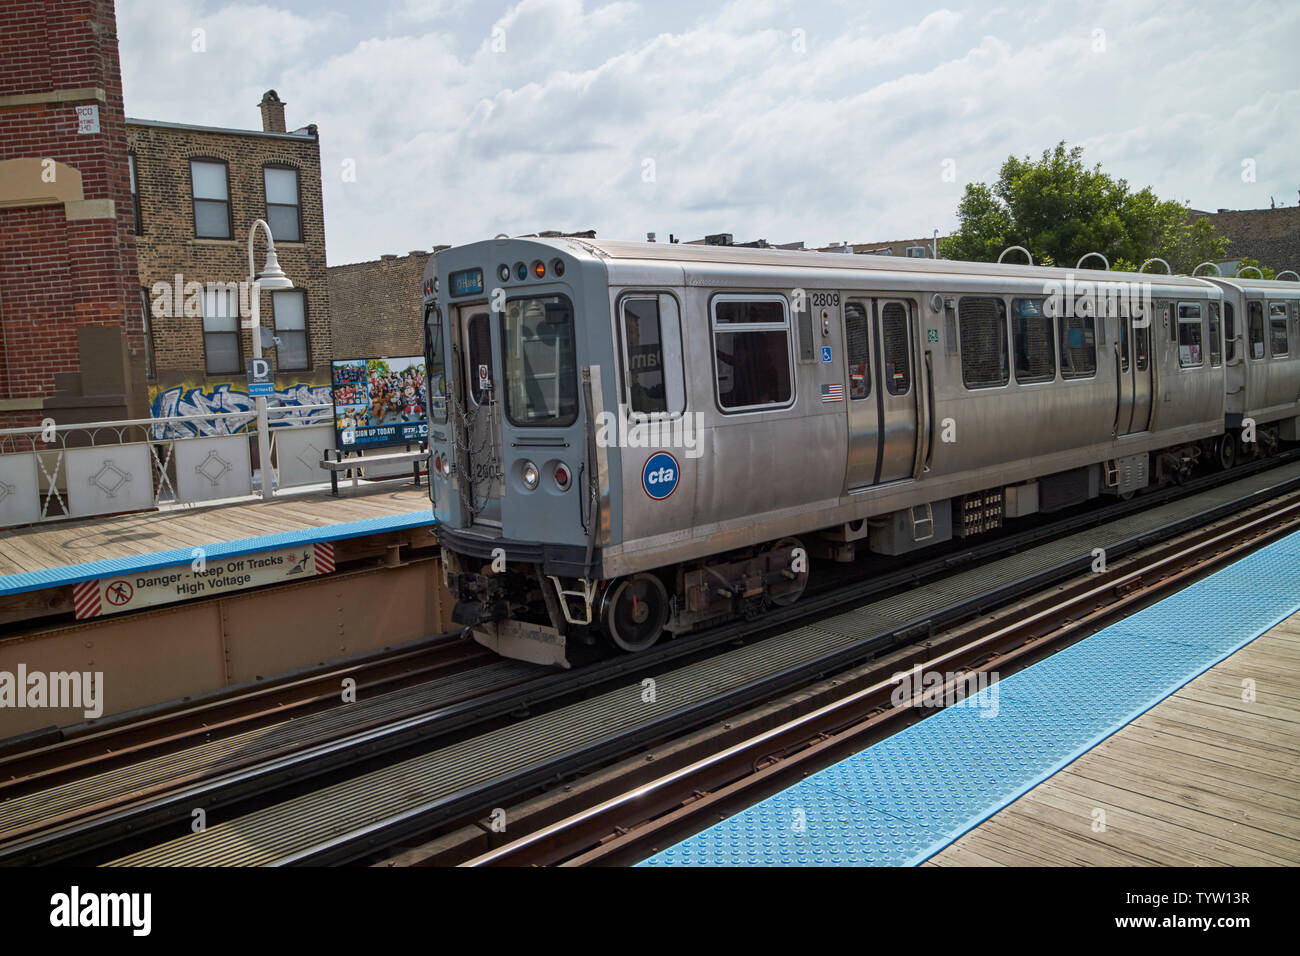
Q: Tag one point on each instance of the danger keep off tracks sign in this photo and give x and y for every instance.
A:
(181, 582)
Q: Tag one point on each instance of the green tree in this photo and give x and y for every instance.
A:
(1060, 210)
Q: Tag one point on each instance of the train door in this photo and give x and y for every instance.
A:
(1134, 371)
(479, 394)
(882, 403)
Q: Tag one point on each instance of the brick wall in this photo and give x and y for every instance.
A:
(167, 243)
(66, 266)
(1271, 236)
(376, 306)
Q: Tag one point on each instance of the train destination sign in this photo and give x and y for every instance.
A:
(185, 582)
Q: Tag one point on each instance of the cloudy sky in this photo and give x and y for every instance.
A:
(813, 120)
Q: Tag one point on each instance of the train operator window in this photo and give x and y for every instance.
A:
(479, 334)
(1277, 317)
(652, 355)
(1034, 342)
(1141, 350)
(435, 364)
(1191, 335)
(856, 335)
(898, 358)
(1230, 330)
(1216, 337)
(983, 330)
(540, 373)
(1255, 322)
(1078, 346)
(751, 348)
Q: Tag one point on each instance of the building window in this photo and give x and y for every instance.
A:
(1277, 328)
(1190, 335)
(1078, 346)
(751, 346)
(209, 182)
(1034, 341)
(222, 352)
(135, 193)
(290, 312)
(1255, 322)
(282, 202)
(857, 333)
(983, 328)
(146, 314)
(1216, 337)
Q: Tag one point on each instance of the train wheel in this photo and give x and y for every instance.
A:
(790, 588)
(635, 611)
(1226, 452)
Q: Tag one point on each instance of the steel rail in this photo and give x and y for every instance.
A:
(609, 830)
(105, 829)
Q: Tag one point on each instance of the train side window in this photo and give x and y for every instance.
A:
(1216, 337)
(856, 336)
(1255, 324)
(1277, 316)
(479, 334)
(751, 348)
(1034, 342)
(897, 350)
(652, 352)
(1078, 346)
(1191, 335)
(982, 324)
(1230, 330)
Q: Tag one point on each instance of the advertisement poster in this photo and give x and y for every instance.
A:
(379, 401)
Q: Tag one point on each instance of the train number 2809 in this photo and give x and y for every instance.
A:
(819, 299)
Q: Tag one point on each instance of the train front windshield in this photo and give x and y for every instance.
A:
(541, 370)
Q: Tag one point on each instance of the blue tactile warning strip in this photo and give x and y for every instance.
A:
(135, 563)
(902, 800)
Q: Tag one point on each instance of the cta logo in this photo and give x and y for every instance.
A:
(659, 476)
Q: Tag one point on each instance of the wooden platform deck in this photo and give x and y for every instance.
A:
(1204, 778)
(59, 544)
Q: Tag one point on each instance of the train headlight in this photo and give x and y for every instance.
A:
(531, 475)
(446, 467)
(557, 268)
(521, 270)
(562, 477)
(503, 272)
(539, 269)
(437, 463)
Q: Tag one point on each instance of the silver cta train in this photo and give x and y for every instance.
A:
(629, 439)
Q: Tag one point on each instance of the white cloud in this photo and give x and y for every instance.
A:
(846, 140)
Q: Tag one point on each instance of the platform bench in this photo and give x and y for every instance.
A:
(339, 463)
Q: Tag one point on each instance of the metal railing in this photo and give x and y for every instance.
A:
(54, 472)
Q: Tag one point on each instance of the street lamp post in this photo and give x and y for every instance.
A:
(272, 279)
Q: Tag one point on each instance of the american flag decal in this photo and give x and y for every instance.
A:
(832, 393)
(324, 557)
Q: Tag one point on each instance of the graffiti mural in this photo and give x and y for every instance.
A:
(200, 402)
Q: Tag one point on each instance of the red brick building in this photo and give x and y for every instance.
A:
(71, 329)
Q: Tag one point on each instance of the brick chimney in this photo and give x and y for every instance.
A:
(272, 112)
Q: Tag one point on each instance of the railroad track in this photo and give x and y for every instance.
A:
(846, 715)
(91, 818)
(409, 801)
(57, 755)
